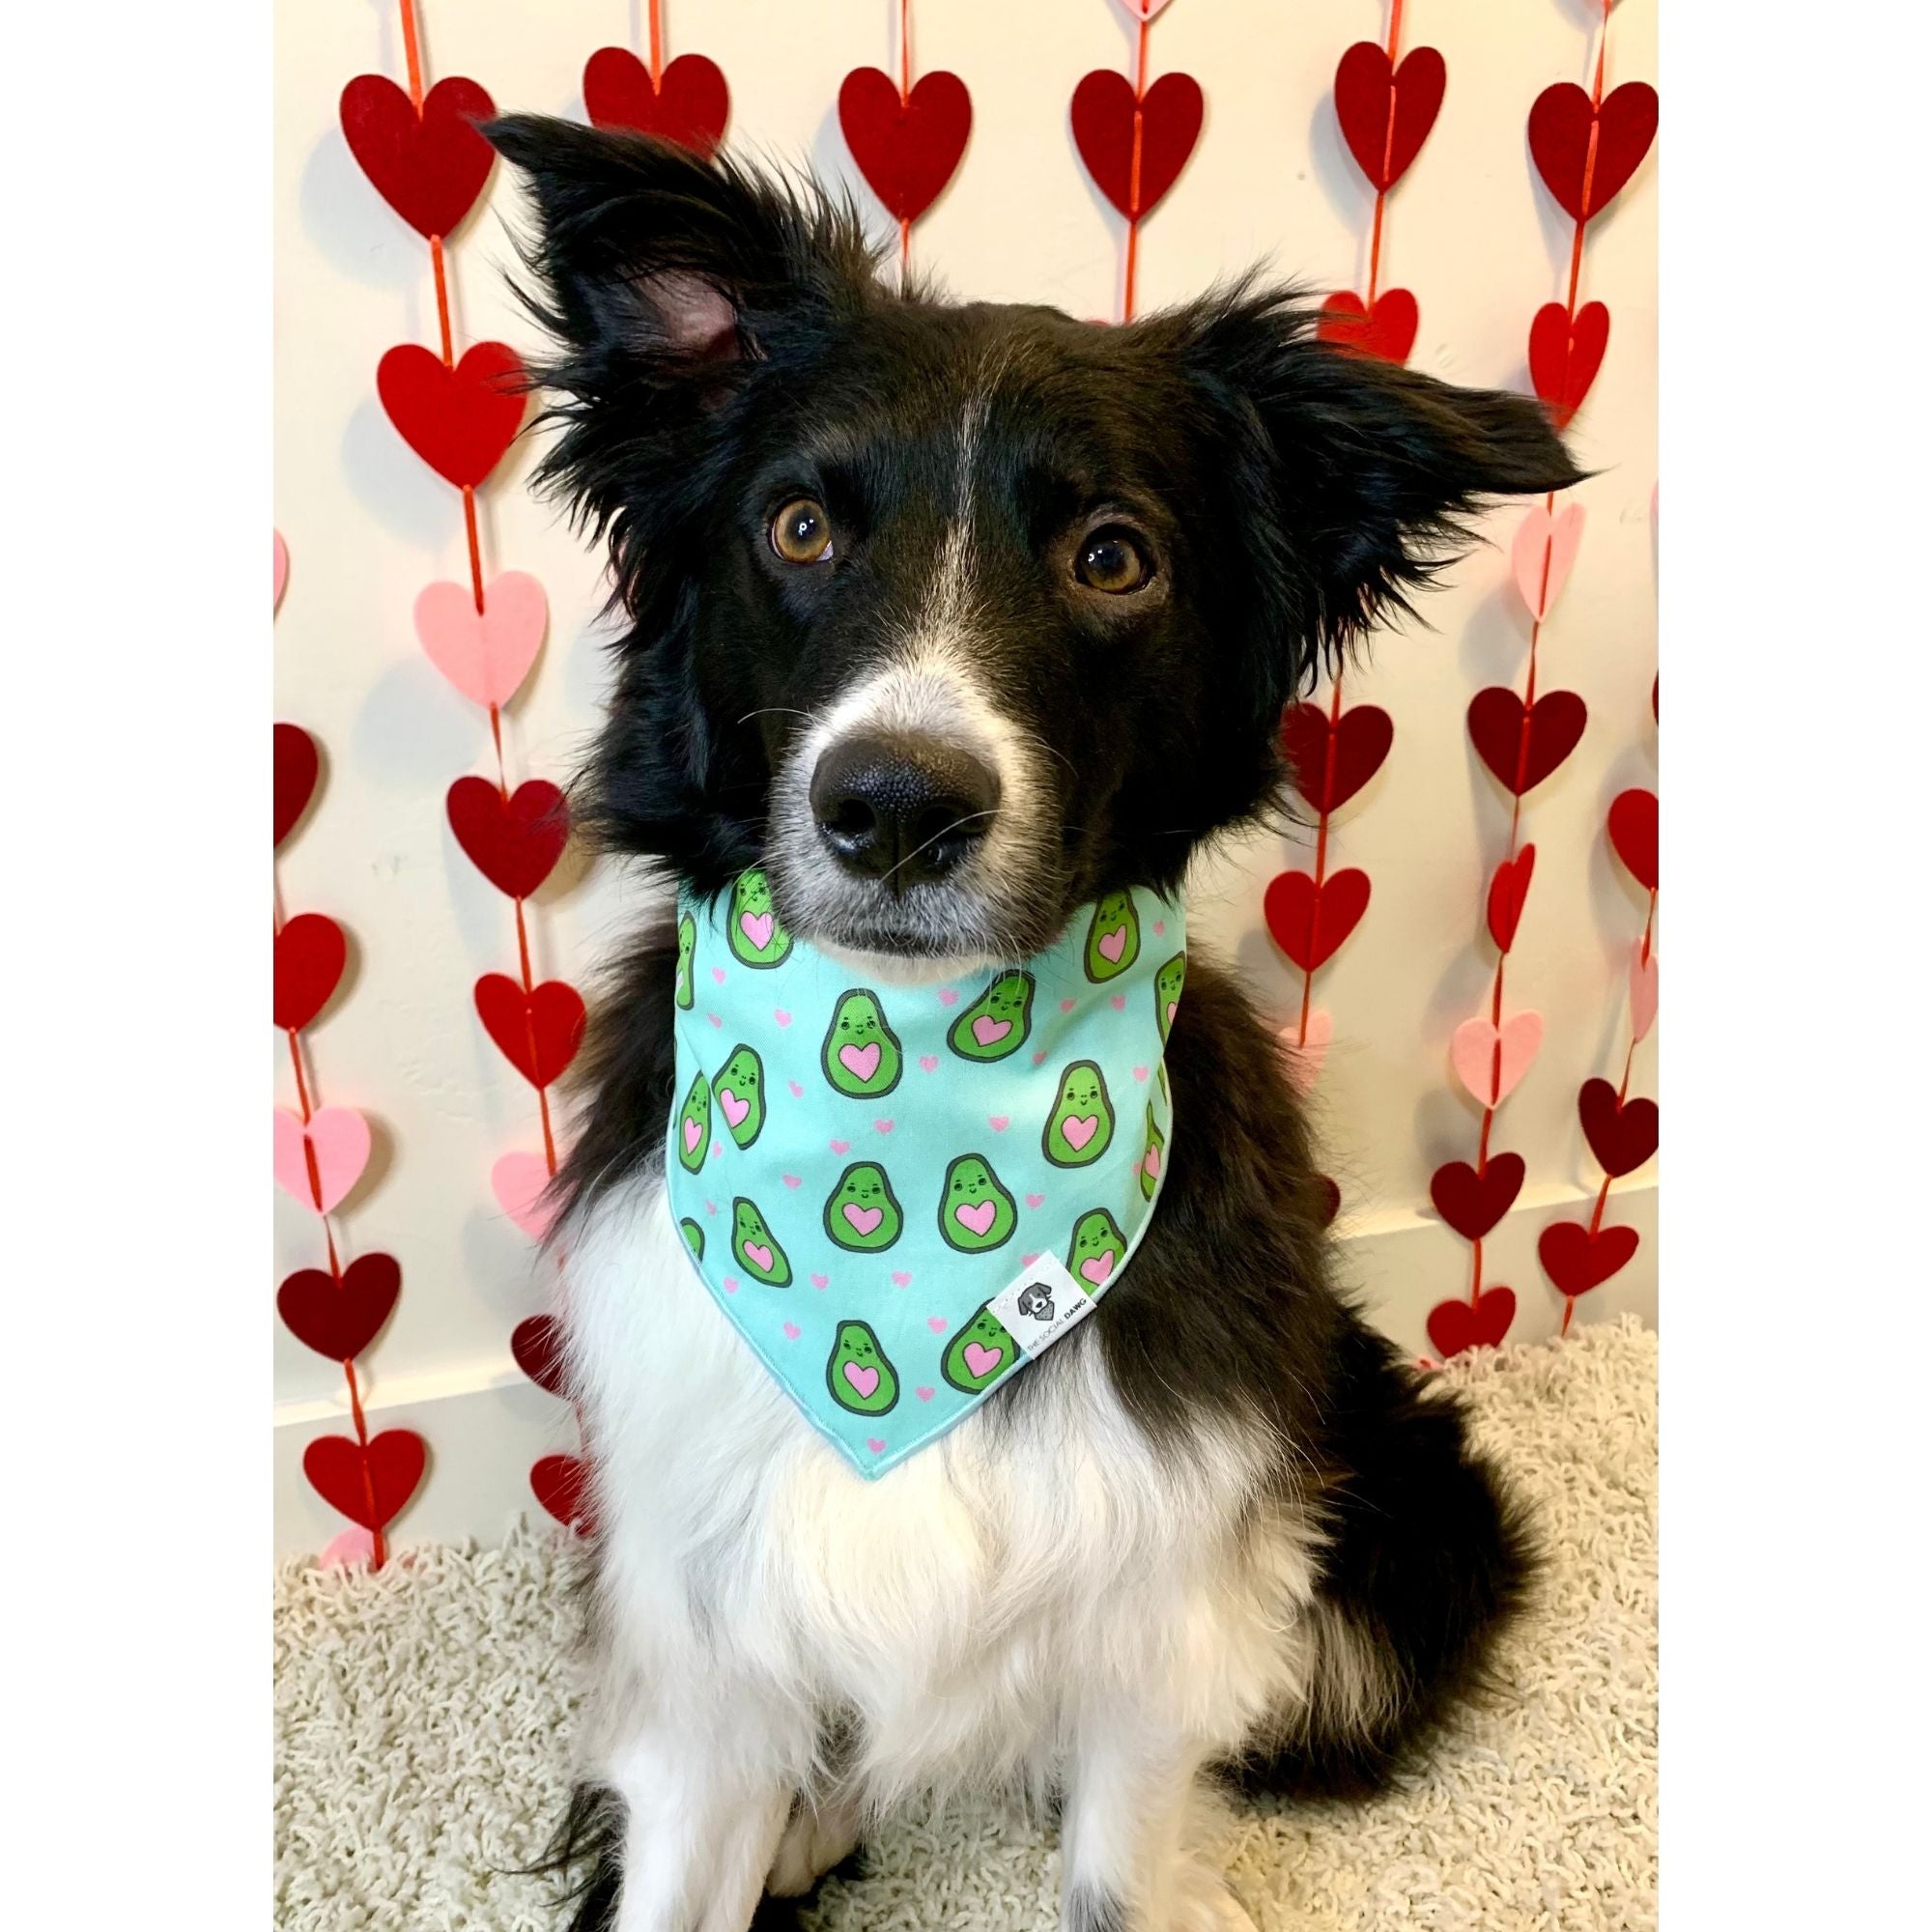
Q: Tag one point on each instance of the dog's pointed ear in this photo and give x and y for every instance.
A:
(657, 265)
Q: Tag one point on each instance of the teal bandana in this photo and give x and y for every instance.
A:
(900, 1197)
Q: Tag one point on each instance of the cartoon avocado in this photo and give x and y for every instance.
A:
(981, 1353)
(862, 1212)
(1167, 984)
(739, 1089)
(1152, 1153)
(1098, 1249)
(694, 1238)
(1082, 1121)
(687, 953)
(756, 1247)
(1113, 937)
(694, 1126)
(751, 925)
(996, 1023)
(862, 1052)
(976, 1212)
(858, 1374)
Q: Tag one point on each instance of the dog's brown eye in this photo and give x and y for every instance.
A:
(802, 531)
(1113, 562)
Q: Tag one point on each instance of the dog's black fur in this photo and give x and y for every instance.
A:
(1291, 493)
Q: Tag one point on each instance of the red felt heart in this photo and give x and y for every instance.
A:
(1577, 1261)
(1473, 1203)
(1133, 175)
(460, 421)
(296, 764)
(1386, 113)
(336, 1318)
(1509, 889)
(1524, 748)
(1455, 1325)
(367, 1488)
(309, 956)
(689, 105)
(1386, 332)
(1564, 356)
(539, 1031)
(1621, 1133)
(1327, 1199)
(430, 169)
(1633, 832)
(537, 1344)
(1309, 922)
(1330, 767)
(907, 150)
(514, 843)
(1586, 154)
(562, 1485)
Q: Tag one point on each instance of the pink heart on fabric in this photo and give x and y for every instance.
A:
(947, 997)
(1159, 928)
(730, 1284)
(937, 1323)
(901, 1279)
(792, 1331)
(718, 973)
(782, 1017)
(485, 654)
(928, 1062)
(1643, 991)
(839, 1147)
(1098, 1267)
(338, 1138)
(865, 1380)
(1492, 1078)
(860, 1062)
(355, 1545)
(1039, 1058)
(756, 926)
(883, 1126)
(987, 1029)
(862, 1219)
(282, 583)
(821, 1281)
(714, 1019)
(1151, 1163)
(1302, 1060)
(792, 1180)
(874, 1443)
(1036, 1201)
(1118, 1002)
(999, 1122)
(1027, 1261)
(1066, 1005)
(692, 1134)
(1141, 1073)
(923, 1393)
(797, 1092)
(978, 1216)
(1079, 1129)
(1112, 945)
(1540, 556)
(982, 1361)
(518, 1181)
(756, 1252)
(734, 1108)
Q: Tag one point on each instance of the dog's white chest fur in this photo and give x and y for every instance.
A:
(1037, 1567)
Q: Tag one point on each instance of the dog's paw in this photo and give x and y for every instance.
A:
(1202, 1903)
(813, 1842)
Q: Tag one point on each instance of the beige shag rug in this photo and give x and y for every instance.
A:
(422, 1717)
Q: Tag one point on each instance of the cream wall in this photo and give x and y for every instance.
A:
(1469, 231)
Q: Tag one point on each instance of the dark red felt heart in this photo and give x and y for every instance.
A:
(1386, 114)
(1564, 356)
(339, 1320)
(295, 767)
(1472, 1202)
(1387, 332)
(1509, 890)
(514, 843)
(1327, 1199)
(370, 1489)
(309, 956)
(1520, 757)
(907, 150)
(537, 1344)
(539, 1032)
(689, 105)
(1309, 922)
(1330, 767)
(460, 421)
(1622, 1134)
(1455, 1325)
(1633, 832)
(562, 1485)
(429, 169)
(1104, 116)
(1584, 173)
(1577, 1261)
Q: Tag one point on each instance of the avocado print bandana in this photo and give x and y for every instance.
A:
(900, 1196)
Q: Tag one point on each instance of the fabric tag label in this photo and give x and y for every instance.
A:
(1042, 1303)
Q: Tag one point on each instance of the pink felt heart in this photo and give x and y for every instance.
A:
(353, 1545)
(281, 570)
(860, 1062)
(987, 1029)
(1540, 556)
(982, 1361)
(1490, 1062)
(758, 1254)
(1112, 945)
(1078, 1129)
(862, 1219)
(865, 1380)
(320, 1164)
(517, 1181)
(734, 1108)
(1304, 1050)
(977, 1218)
(756, 926)
(792, 1331)
(1643, 992)
(485, 654)
(1098, 1267)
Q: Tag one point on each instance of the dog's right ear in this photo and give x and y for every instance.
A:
(659, 267)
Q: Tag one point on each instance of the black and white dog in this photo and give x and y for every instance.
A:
(1073, 572)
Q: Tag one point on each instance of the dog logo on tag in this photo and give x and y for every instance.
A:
(1035, 1300)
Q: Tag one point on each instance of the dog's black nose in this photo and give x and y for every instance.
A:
(901, 809)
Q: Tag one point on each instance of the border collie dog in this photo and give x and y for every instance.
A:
(1056, 583)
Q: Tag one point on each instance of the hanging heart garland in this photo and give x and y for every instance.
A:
(687, 101)
(906, 139)
(427, 162)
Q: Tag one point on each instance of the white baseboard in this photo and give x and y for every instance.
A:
(486, 1422)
